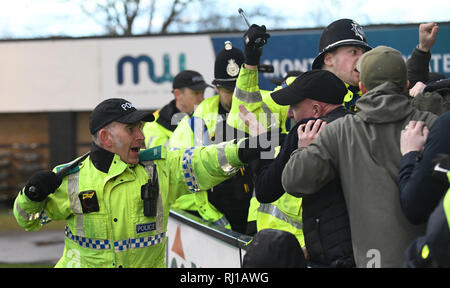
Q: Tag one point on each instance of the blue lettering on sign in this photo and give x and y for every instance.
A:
(146, 227)
(135, 61)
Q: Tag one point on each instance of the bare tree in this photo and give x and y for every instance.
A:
(119, 16)
(116, 16)
(178, 6)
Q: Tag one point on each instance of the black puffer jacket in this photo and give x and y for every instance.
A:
(326, 227)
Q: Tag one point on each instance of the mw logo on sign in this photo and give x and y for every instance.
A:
(166, 76)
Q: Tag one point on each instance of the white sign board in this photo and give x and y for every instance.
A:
(38, 76)
(76, 74)
(141, 70)
(189, 247)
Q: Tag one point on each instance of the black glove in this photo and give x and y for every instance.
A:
(251, 148)
(41, 184)
(254, 40)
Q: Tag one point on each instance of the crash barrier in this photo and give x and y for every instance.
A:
(195, 243)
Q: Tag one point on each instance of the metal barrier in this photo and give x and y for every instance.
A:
(194, 242)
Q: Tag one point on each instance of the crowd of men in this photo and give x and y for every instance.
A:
(356, 182)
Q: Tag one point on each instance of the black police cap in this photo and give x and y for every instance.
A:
(342, 32)
(320, 85)
(189, 79)
(116, 109)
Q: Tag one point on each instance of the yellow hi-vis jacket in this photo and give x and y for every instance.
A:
(184, 137)
(285, 213)
(117, 234)
(156, 134)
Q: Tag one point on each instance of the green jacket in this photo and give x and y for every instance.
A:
(364, 150)
(117, 234)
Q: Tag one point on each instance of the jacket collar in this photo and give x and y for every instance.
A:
(384, 104)
(101, 158)
(167, 114)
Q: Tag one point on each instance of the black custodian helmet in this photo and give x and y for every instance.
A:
(341, 32)
(227, 66)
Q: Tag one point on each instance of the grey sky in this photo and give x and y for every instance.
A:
(31, 18)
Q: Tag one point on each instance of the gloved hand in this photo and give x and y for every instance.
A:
(41, 184)
(252, 148)
(254, 39)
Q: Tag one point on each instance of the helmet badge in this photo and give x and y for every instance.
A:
(232, 68)
(358, 30)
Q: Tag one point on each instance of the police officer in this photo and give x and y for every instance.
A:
(267, 112)
(115, 200)
(188, 90)
(227, 204)
(340, 46)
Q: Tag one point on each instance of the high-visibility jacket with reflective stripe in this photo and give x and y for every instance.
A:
(204, 119)
(259, 102)
(119, 234)
(156, 134)
(285, 213)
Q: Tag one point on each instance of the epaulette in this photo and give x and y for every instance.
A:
(70, 171)
(154, 153)
(71, 167)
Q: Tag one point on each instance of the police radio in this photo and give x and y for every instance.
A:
(149, 193)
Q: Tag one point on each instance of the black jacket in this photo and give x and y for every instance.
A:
(326, 226)
(437, 237)
(168, 115)
(419, 192)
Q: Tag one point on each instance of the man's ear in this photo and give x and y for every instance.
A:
(104, 137)
(177, 93)
(328, 59)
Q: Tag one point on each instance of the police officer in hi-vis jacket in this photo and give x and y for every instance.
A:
(115, 200)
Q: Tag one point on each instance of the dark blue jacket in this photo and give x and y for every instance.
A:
(419, 193)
